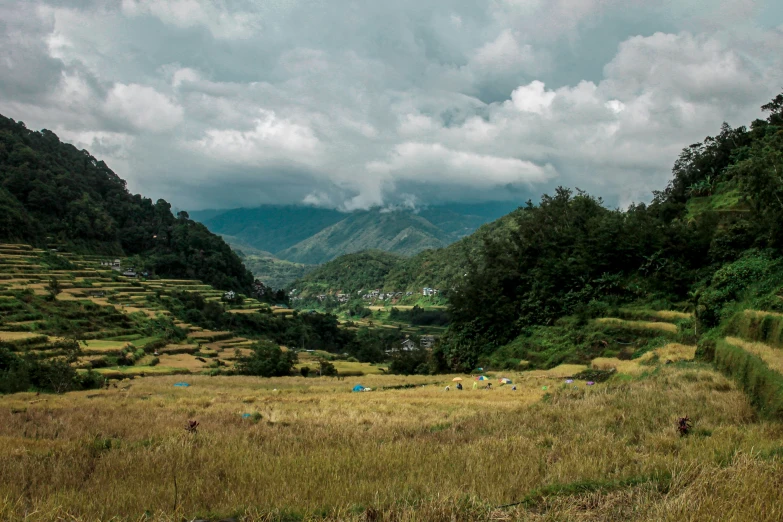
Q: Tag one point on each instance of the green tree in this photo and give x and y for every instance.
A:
(267, 360)
(53, 288)
(326, 369)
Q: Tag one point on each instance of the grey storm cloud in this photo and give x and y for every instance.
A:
(217, 103)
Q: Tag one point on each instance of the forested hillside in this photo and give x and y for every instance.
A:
(348, 274)
(437, 268)
(53, 194)
(271, 228)
(710, 239)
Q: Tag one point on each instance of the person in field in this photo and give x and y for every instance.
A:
(459, 385)
(475, 385)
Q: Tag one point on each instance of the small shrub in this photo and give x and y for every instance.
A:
(705, 350)
(327, 369)
(594, 375)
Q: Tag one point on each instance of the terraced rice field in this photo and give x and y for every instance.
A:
(17, 336)
(23, 268)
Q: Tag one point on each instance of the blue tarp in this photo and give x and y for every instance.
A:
(182, 384)
(358, 388)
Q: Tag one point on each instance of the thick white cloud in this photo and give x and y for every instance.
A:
(211, 103)
(143, 107)
(270, 140)
(427, 162)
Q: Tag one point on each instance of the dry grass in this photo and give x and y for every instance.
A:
(17, 336)
(673, 352)
(630, 367)
(411, 454)
(140, 371)
(761, 313)
(182, 360)
(773, 357)
(207, 334)
(644, 325)
(671, 315)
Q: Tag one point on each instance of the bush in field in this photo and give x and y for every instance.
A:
(415, 362)
(327, 369)
(705, 350)
(52, 375)
(267, 360)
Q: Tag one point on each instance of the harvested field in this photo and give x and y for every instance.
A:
(608, 452)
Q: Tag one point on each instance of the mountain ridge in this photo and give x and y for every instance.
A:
(436, 268)
(311, 235)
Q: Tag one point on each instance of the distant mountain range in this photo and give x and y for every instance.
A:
(439, 268)
(312, 236)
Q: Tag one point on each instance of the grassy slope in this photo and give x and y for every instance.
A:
(726, 199)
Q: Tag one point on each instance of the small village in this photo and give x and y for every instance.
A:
(368, 296)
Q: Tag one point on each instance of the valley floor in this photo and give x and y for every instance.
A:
(311, 449)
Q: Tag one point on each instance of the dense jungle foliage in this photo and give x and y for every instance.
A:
(53, 194)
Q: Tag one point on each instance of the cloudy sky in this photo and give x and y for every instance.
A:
(357, 103)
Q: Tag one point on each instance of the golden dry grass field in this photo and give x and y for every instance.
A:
(320, 452)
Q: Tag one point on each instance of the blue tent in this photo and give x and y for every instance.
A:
(358, 388)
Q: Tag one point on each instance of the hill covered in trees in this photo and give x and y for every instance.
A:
(309, 235)
(53, 194)
(436, 268)
(711, 239)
